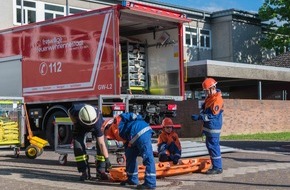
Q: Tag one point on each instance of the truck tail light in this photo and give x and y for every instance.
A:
(171, 107)
(119, 107)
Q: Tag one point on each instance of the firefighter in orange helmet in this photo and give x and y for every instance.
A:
(212, 117)
(169, 148)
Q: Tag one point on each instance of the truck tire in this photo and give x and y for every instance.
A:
(64, 131)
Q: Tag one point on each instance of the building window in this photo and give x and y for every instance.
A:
(204, 38)
(29, 12)
(194, 37)
(53, 11)
(76, 10)
(190, 36)
(35, 11)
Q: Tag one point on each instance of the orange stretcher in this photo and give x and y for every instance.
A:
(164, 169)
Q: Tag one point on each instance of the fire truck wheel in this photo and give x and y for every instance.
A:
(62, 159)
(64, 131)
(31, 152)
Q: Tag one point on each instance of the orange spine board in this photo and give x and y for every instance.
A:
(164, 169)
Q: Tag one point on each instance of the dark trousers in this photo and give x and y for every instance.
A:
(80, 153)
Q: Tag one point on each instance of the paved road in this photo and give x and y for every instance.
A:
(255, 165)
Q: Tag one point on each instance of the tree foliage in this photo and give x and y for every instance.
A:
(276, 15)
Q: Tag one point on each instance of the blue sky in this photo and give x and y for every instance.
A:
(216, 5)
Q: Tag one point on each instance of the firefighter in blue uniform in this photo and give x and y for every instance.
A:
(86, 119)
(212, 117)
(136, 135)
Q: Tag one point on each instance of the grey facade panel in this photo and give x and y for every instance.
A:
(222, 45)
(6, 18)
(238, 70)
(246, 48)
(195, 54)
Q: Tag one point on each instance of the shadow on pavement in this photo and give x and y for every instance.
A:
(272, 146)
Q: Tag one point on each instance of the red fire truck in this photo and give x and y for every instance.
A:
(125, 57)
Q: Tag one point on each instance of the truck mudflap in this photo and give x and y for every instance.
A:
(165, 169)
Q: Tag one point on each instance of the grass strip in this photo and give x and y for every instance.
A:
(283, 136)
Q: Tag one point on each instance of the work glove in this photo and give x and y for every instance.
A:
(108, 164)
(195, 117)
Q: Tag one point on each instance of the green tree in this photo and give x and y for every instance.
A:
(276, 15)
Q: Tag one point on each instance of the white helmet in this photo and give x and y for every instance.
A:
(88, 115)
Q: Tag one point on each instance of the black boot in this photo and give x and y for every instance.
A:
(103, 176)
(101, 170)
(214, 171)
(85, 175)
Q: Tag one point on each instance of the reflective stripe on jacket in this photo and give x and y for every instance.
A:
(132, 125)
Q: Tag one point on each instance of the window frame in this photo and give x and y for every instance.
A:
(25, 10)
(55, 14)
(76, 8)
(190, 33)
(205, 36)
(201, 37)
(40, 11)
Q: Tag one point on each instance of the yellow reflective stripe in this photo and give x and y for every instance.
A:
(9, 102)
(100, 158)
(81, 158)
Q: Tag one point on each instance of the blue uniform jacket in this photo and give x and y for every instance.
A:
(212, 115)
(130, 125)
